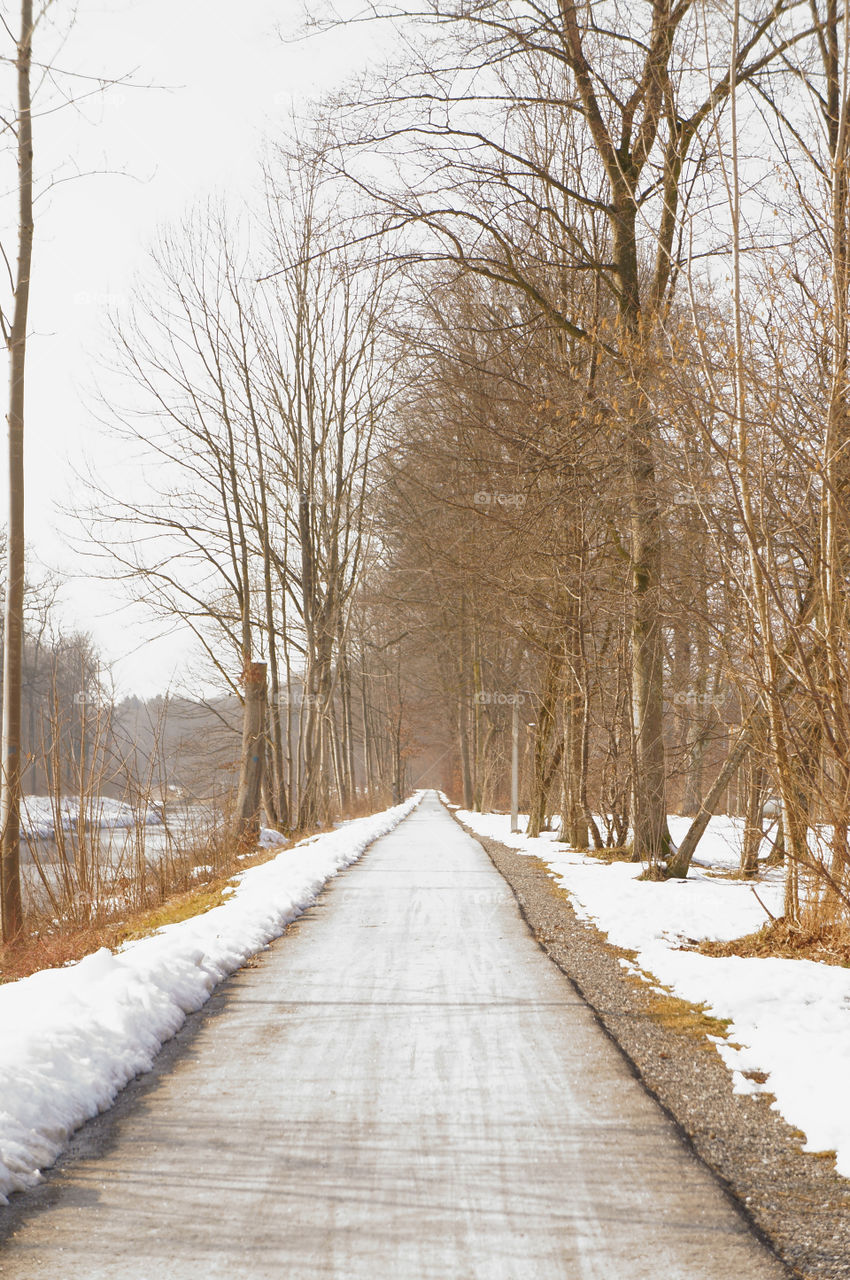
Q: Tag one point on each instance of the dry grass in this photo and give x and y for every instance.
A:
(670, 1011)
(685, 1018)
(667, 1010)
(620, 853)
(49, 946)
(653, 872)
(49, 943)
(181, 907)
(826, 942)
(51, 950)
(363, 805)
(734, 873)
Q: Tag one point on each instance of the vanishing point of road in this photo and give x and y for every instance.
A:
(403, 1087)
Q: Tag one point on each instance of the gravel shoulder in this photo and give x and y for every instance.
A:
(795, 1201)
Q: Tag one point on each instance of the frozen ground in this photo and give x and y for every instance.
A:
(789, 1019)
(73, 1037)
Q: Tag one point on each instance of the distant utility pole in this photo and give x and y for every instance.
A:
(515, 767)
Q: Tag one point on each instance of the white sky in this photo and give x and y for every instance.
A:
(232, 78)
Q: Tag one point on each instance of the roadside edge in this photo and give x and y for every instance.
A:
(797, 1205)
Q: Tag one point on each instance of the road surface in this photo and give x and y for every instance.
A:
(403, 1087)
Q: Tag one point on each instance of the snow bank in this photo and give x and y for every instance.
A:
(73, 1037)
(791, 1018)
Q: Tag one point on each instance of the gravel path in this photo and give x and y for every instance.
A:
(794, 1200)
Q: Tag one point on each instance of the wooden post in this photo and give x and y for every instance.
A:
(515, 767)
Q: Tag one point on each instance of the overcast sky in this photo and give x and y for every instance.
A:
(231, 82)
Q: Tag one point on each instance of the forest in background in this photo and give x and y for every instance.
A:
(520, 387)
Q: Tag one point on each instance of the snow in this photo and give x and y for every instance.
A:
(789, 1019)
(271, 839)
(73, 1037)
(38, 815)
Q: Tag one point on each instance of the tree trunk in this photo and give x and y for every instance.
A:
(249, 794)
(276, 782)
(776, 856)
(835, 503)
(681, 860)
(651, 838)
(700, 717)
(477, 753)
(368, 770)
(574, 823)
(347, 723)
(697, 742)
(463, 739)
(753, 830)
(574, 826)
(318, 694)
(589, 819)
(10, 784)
(541, 779)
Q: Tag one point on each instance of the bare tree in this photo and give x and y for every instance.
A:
(635, 115)
(15, 335)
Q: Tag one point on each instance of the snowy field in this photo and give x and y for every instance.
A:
(73, 1037)
(791, 1018)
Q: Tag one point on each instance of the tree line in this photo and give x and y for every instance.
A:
(523, 384)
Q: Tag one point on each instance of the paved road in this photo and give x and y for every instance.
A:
(403, 1088)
